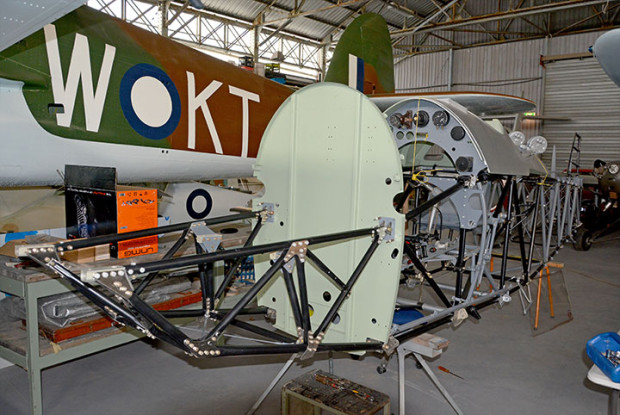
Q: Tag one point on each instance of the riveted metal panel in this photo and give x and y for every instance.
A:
(22, 18)
(329, 165)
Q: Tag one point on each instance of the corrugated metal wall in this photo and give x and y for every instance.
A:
(572, 44)
(423, 73)
(514, 69)
(499, 68)
(580, 91)
(507, 69)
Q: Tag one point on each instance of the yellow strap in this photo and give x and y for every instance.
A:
(415, 137)
(546, 172)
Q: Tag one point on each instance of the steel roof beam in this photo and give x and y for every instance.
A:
(528, 11)
(340, 25)
(179, 11)
(241, 23)
(428, 19)
(403, 9)
(293, 14)
(212, 13)
(611, 20)
(443, 48)
(510, 21)
(577, 23)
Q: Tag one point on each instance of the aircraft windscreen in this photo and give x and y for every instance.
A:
(428, 155)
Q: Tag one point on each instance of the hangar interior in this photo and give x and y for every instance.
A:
(444, 241)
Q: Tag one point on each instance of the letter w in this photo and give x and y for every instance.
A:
(79, 68)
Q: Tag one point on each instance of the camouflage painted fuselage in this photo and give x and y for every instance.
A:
(100, 91)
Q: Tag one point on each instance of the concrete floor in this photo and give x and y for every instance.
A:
(505, 369)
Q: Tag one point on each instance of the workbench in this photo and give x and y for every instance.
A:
(32, 352)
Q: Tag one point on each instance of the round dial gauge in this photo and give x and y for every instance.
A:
(421, 119)
(395, 120)
(441, 118)
(457, 133)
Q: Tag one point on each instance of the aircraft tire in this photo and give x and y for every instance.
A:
(583, 239)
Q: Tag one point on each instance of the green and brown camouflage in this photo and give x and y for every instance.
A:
(239, 103)
(367, 38)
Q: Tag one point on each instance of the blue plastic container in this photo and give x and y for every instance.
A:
(405, 316)
(596, 348)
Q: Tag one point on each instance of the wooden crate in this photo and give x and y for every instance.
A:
(318, 392)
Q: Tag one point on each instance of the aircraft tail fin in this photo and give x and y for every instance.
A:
(363, 57)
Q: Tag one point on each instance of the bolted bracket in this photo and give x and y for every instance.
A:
(208, 240)
(459, 316)
(387, 229)
(391, 345)
(268, 212)
(470, 182)
(300, 335)
(313, 345)
(289, 266)
(200, 349)
(42, 253)
(505, 298)
(297, 249)
(271, 316)
(114, 278)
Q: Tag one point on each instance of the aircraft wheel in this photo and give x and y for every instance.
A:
(583, 239)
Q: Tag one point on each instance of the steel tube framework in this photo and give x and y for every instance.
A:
(547, 206)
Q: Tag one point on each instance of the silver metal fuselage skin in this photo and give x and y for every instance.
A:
(607, 51)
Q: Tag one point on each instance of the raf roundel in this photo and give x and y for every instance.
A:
(195, 196)
(150, 101)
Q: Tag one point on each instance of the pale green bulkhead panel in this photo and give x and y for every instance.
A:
(329, 164)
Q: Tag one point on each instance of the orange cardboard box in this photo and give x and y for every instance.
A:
(136, 210)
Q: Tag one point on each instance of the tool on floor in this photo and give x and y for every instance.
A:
(339, 384)
(443, 369)
(318, 392)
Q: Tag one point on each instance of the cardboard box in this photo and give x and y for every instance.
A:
(8, 249)
(90, 201)
(136, 210)
(87, 255)
(96, 205)
(79, 256)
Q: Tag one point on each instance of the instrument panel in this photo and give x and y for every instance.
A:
(442, 141)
